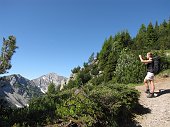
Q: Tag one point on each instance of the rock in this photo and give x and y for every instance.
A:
(43, 81)
(17, 90)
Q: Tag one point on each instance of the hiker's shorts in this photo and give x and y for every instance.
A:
(149, 76)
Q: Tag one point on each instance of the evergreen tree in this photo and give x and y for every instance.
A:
(91, 58)
(7, 51)
(94, 70)
(140, 40)
(110, 67)
(126, 39)
(123, 38)
(76, 70)
(156, 28)
(85, 64)
(51, 88)
(104, 53)
(163, 36)
(83, 77)
(151, 37)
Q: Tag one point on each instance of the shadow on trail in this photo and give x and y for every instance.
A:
(141, 110)
(161, 92)
(138, 110)
(130, 121)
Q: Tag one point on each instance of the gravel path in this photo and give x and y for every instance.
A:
(159, 106)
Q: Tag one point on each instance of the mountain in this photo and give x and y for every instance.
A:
(43, 81)
(16, 91)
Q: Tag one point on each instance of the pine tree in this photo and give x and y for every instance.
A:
(91, 58)
(104, 53)
(76, 70)
(163, 36)
(7, 51)
(51, 88)
(156, 29)
(126, 38)
(151, 37)
(110, 67)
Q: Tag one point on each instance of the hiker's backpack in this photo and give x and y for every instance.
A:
(156, 61)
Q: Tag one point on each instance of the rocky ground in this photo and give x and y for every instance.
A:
(158, 108)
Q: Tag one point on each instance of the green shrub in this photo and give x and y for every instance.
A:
(97, 80)
(78, 107)
(129, 69)
(107, 105)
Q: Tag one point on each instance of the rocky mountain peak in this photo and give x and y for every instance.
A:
(18, 90)
(17, 79)
(43, 81)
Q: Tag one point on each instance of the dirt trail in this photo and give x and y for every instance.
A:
(159, 115)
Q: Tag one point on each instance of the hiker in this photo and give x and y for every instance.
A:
(150, 74)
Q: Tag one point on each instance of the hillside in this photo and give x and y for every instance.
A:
(158, 112)
(16, 90)
(98, 94)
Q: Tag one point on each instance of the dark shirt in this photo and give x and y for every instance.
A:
(150, 67)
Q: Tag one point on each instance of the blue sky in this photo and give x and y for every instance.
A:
(58, 35)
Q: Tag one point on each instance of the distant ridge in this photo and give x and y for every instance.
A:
(16, 90)
(43, 81)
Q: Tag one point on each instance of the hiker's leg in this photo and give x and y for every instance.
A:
(152, 86)
(146, 84)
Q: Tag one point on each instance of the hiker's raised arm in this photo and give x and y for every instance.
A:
(145, 61)
(140, 57)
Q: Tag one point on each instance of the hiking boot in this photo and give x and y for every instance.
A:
(147, 91)
(150, 95)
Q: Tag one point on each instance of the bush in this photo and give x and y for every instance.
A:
(116, 102)
(97, 80)
(79, 107)
(103, 105)
(129, 69)
(107, 105)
